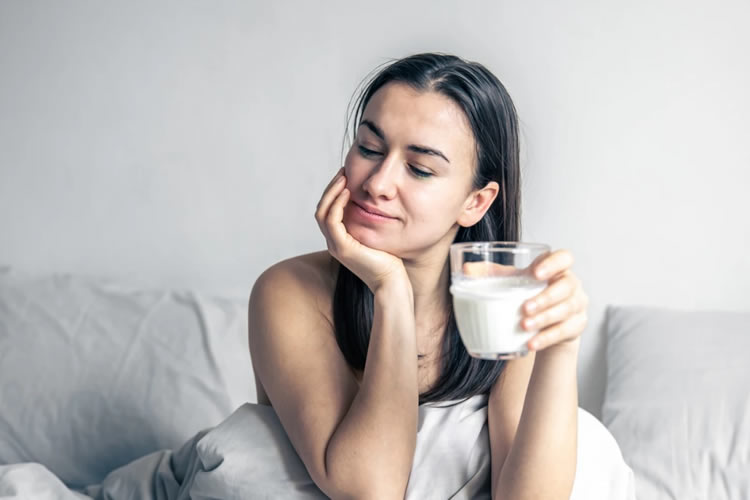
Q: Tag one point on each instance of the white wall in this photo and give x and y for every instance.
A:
(187, 143)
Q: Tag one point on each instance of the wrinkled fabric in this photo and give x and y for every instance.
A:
(85, 364)
(249, 456)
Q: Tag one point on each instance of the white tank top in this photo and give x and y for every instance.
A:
(454, 441)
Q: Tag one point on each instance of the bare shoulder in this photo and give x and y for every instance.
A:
(307, 279)
(316, 270)
(304, 283)
(299, 367)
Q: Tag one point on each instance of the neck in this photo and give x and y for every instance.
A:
(429, 275)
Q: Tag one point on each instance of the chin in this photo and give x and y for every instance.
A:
(369, 237)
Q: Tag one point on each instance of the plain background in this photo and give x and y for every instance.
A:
(186, 144)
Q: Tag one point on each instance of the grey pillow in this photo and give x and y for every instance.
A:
(95, 373)
(249, 456)
(678, 400)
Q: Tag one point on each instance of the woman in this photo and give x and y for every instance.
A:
(346, 343)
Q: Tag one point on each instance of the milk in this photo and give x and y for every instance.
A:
(488, 314)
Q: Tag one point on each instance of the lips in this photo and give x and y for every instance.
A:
(373, 210)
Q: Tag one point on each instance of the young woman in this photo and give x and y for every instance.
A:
(347, 343)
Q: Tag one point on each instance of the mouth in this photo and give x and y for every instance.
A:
(370, 215)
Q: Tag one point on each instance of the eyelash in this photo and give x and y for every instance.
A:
(368, 153)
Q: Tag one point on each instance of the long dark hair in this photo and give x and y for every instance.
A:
(494, 122)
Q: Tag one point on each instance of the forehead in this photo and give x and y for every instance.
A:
(408, 116)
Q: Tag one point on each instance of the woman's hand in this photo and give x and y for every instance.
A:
(559, 311)
(373, 267)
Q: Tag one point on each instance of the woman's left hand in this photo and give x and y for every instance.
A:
(558, 312)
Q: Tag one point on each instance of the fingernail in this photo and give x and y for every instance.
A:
(531, 306)
(541, 272)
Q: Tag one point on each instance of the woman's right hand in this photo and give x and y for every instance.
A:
(374, 267)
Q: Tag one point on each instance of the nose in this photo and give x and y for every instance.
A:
(383, 180)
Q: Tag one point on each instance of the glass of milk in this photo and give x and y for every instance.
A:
(490, 281)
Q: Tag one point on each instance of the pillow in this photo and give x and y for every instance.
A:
(249, 456)
(678, 400)
(96, 373)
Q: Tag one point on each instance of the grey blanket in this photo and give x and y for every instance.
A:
(249, 456)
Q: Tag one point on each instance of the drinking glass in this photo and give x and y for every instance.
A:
(490, 281)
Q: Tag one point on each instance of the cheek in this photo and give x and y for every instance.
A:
(348, 163)
(426, 207)
(355, 170)
(434, 211)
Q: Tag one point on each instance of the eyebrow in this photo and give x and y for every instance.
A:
(411, 147)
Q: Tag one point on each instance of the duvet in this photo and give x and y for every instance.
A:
(249, 456)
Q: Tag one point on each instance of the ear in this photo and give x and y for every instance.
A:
(477, 204)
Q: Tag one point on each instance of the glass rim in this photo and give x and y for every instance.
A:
(489, 246)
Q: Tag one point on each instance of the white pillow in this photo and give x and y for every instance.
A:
(95, 373)
(678, 400)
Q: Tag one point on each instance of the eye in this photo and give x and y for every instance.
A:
(420, 173)
(369, 152)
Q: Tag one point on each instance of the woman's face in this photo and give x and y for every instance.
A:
(413, 159)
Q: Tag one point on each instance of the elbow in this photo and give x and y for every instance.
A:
(362, 483)
(354, 488)
(337, 486)
(371, 491)
(364, 471)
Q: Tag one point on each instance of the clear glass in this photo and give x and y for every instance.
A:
(490, 281)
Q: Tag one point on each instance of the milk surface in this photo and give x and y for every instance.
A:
(488, 314)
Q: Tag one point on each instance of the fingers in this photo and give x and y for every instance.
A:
(567, 330)
(555, 314)
(329, 196)
(559, 289)
(487, 268)
(330, 215)
(334, 221)
(560, 312)
(476, 269)
(554, 263)
(537, 262)
(328, 188)
(339, 173)
(550, 263)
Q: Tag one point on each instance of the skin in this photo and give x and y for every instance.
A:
(388, 178)
(532, 408)
(419, 239)
(428, 214)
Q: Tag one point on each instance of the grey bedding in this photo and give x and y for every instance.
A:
(248, 456)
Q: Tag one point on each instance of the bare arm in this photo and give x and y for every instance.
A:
(541, 461)
(375, 442)
(533, 407)
(355, 442)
